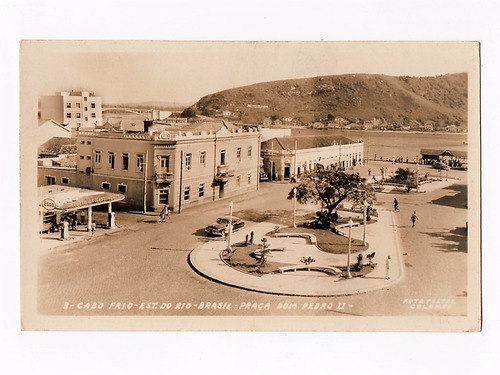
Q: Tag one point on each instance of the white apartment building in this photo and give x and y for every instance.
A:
(75, 109)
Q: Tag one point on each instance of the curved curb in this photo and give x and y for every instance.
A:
(205, 260)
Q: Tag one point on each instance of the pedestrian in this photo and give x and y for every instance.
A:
(335, 217)
(396, 205)
(92, 229)
(251, 238)
(369, 171)
(163, 214)
(387, 267)
(246, 240)
(413, 218)
(167, 213)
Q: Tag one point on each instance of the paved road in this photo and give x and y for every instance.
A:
(148, 263)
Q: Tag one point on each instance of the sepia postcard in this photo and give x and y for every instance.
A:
(250, 186)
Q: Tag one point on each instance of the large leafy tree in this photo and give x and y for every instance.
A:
(330, 188)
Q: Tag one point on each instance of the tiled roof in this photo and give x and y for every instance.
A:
(305, 142)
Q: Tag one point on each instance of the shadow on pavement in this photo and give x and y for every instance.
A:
(457, 200)
(458, 236)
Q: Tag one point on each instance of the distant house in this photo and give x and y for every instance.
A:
(286, 157)
(267, 121)
(431, 155)
(451, 128)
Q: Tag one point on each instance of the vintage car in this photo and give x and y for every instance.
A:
(440, 165)
(217, 229)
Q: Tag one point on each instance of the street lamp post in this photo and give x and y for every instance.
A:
(294, 206)
(418, 169)
(230, 227)
(365, 207)
(393, 163)
(349, 276)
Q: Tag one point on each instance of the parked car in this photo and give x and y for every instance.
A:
(440, 165)
(217, 229)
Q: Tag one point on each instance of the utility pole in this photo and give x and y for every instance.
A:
(180, 182)
(145, 182)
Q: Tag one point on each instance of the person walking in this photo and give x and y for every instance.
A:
(251, 238)
(396, 205)
(413, 218)
(93, 229)
(163, 214)
(387, 267)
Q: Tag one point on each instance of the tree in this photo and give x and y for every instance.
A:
(189, 112)
(330, 188)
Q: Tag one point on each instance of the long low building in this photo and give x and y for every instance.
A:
(176, 165)
(285, 157)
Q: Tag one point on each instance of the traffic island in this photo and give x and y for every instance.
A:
(295, 263)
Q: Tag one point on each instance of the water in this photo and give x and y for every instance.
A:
(389, 144)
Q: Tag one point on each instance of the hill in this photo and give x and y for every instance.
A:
(401, 101)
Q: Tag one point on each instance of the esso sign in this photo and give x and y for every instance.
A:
(48, 204)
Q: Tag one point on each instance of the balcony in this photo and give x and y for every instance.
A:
(164, 177)
(222, 169)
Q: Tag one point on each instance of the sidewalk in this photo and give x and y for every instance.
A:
(53, 240)
(381, 236)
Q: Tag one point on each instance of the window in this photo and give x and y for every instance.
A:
(238, 180)
(65, 180)
(187, 192)
(82, 142)
(125, 162)
(88, 157)
(140, 162)
(92, 105)
(188, 161)
(111, 160)
(165, 163)
(50, 180)
(85, 98)
(68, 115)
(163, 196)
(106, 185)
(238, 153)
(77, 105)
(68, 105)
(92, 115)
(249, 178)
(249, 151)
(201, 190)
(122, 188)
(86, 119)
(86, 108)
(82, 157)
(203, 157)
(222, 157)
(89, 142)
(98, 156)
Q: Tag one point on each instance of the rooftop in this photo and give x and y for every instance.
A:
(305, 142)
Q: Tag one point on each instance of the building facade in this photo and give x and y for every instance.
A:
(286, 157)
(76, 109)
(177, 168)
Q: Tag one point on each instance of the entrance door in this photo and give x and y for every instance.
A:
(163, 197)
(287, 172)
(221, 191)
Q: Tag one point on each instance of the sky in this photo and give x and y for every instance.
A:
(183, 72)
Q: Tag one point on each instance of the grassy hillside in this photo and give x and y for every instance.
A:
(398, 100)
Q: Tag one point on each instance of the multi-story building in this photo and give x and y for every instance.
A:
(284, 157)
(76, 109)
(165, 165)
